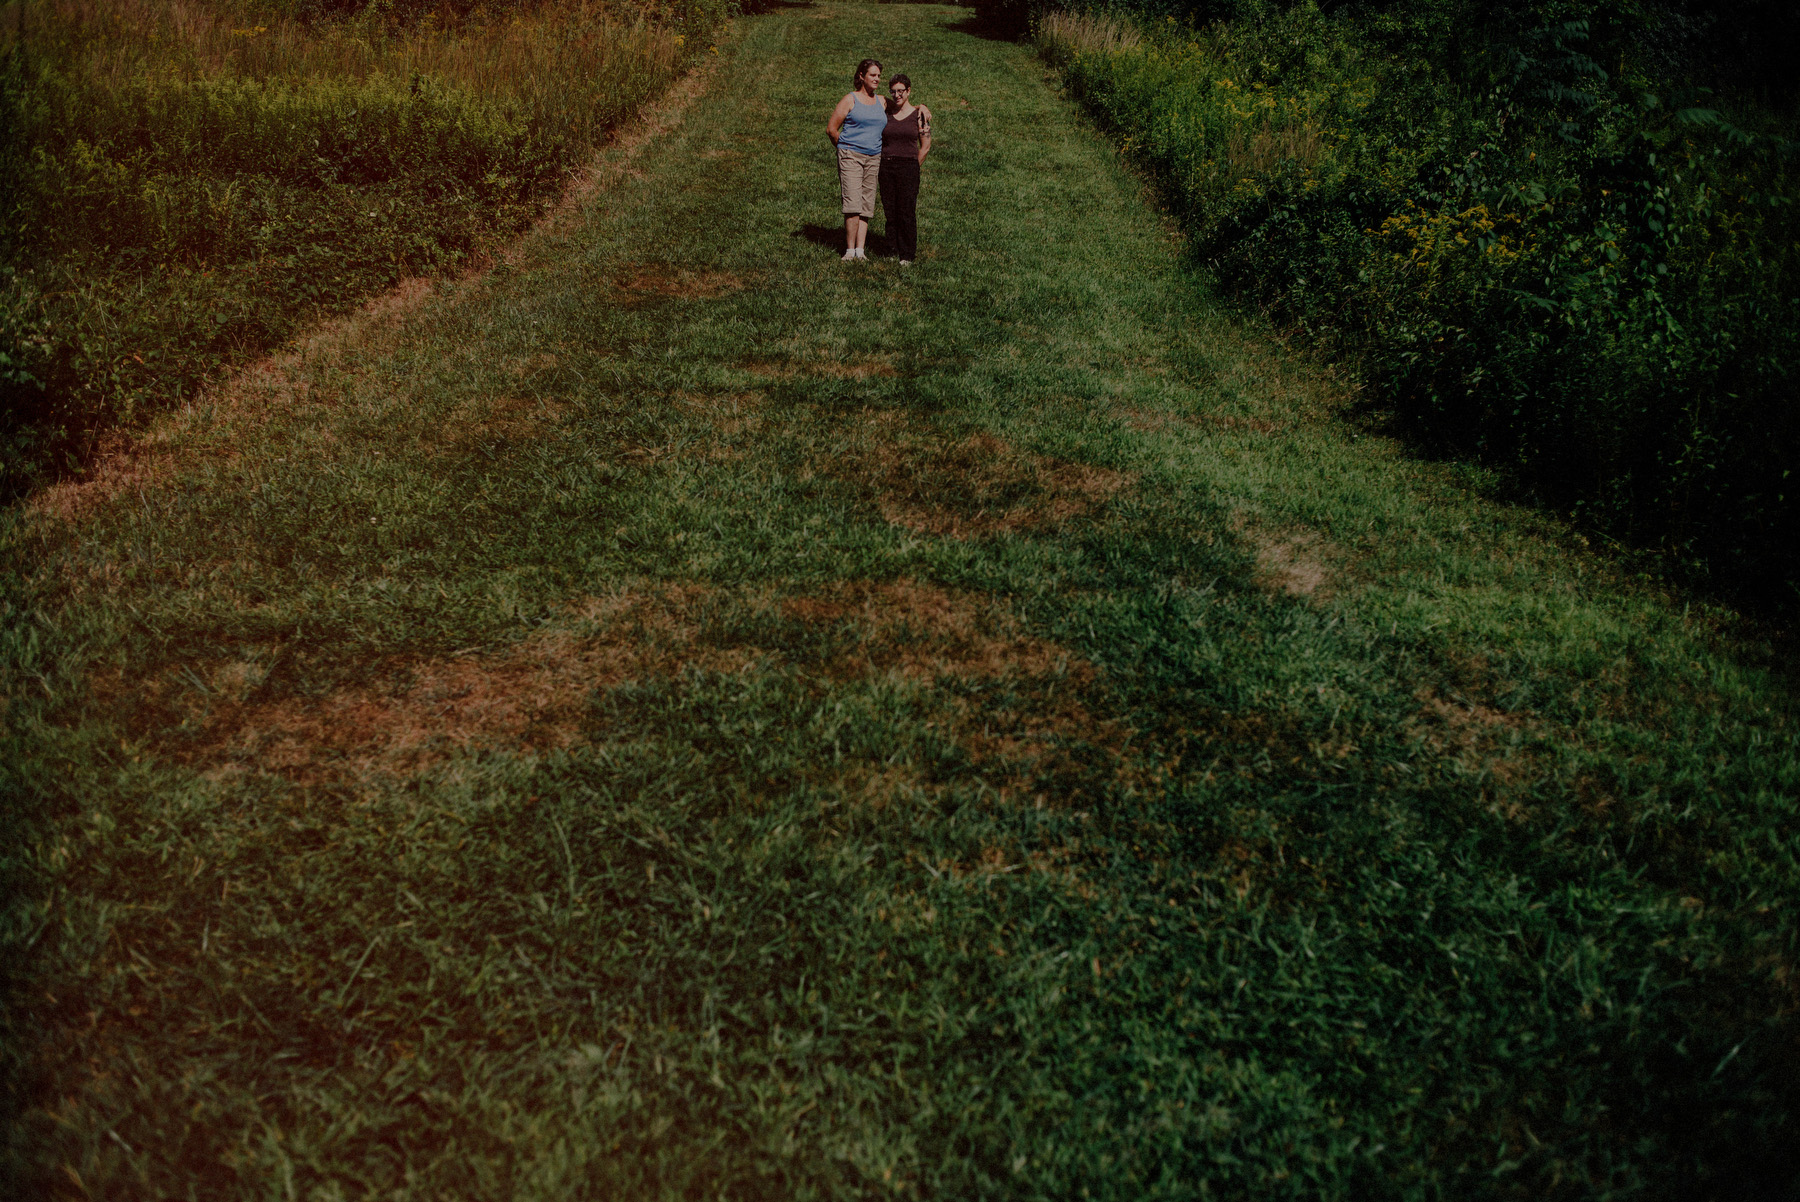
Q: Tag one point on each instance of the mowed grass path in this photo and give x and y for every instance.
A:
(685, 717)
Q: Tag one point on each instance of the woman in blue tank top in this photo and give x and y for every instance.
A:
(856, 126)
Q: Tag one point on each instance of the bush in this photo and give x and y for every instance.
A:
(1590, 277)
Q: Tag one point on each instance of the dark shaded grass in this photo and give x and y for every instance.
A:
(1464, 876)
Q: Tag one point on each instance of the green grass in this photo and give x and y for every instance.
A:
(685, 717)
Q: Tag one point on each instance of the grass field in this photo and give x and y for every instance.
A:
(680, 716)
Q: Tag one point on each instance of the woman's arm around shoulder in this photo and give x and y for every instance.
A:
(924, 132)
(835, 122)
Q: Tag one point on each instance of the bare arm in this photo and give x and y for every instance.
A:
(924, 132)
(836, 121)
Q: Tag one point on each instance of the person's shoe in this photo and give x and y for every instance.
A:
(849, 254)
(906, 262)
(861, 253)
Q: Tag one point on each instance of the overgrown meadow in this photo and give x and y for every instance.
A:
(189, 184)
(1558, 237)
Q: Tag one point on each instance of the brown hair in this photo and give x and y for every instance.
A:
(862, 69)
(893, 106)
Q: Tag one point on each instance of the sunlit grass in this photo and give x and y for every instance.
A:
(574, 67)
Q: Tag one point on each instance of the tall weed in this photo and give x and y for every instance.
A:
(188, 183)
(1588, 275)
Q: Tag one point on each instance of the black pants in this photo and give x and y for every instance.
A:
(900, 201)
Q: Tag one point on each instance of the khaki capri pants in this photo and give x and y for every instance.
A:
(859, 178)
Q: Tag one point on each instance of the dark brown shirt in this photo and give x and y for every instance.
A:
(900, 140)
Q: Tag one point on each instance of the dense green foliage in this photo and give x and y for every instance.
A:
(182, 194)
(1560, 235)
(689, 718)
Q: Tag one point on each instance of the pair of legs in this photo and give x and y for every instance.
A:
(859, 175)
(900, 201)
(856, 231)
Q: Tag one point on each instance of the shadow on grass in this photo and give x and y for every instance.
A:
(831, 238)
(992, 27)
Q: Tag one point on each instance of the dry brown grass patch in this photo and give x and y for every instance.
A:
(218, 425)
(1281, 383)
(525, 367)
(613, 166)
(731, 414)
(1044, 742)
(968, 487)
(1030, 735)
(532, 695)
(926, 632)
(660, 280)
(503, 419)
(1482, 741)
(1291, 565)
(860, 368)
(405, 715)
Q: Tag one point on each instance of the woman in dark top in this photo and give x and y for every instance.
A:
(904, 144)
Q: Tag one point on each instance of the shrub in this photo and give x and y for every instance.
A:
(1587, 276)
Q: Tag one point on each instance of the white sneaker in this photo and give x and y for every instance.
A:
(906, 262)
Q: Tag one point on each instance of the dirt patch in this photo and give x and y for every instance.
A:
(969, 486)
(682, 283)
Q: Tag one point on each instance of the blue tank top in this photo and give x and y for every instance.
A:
(861, 130)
